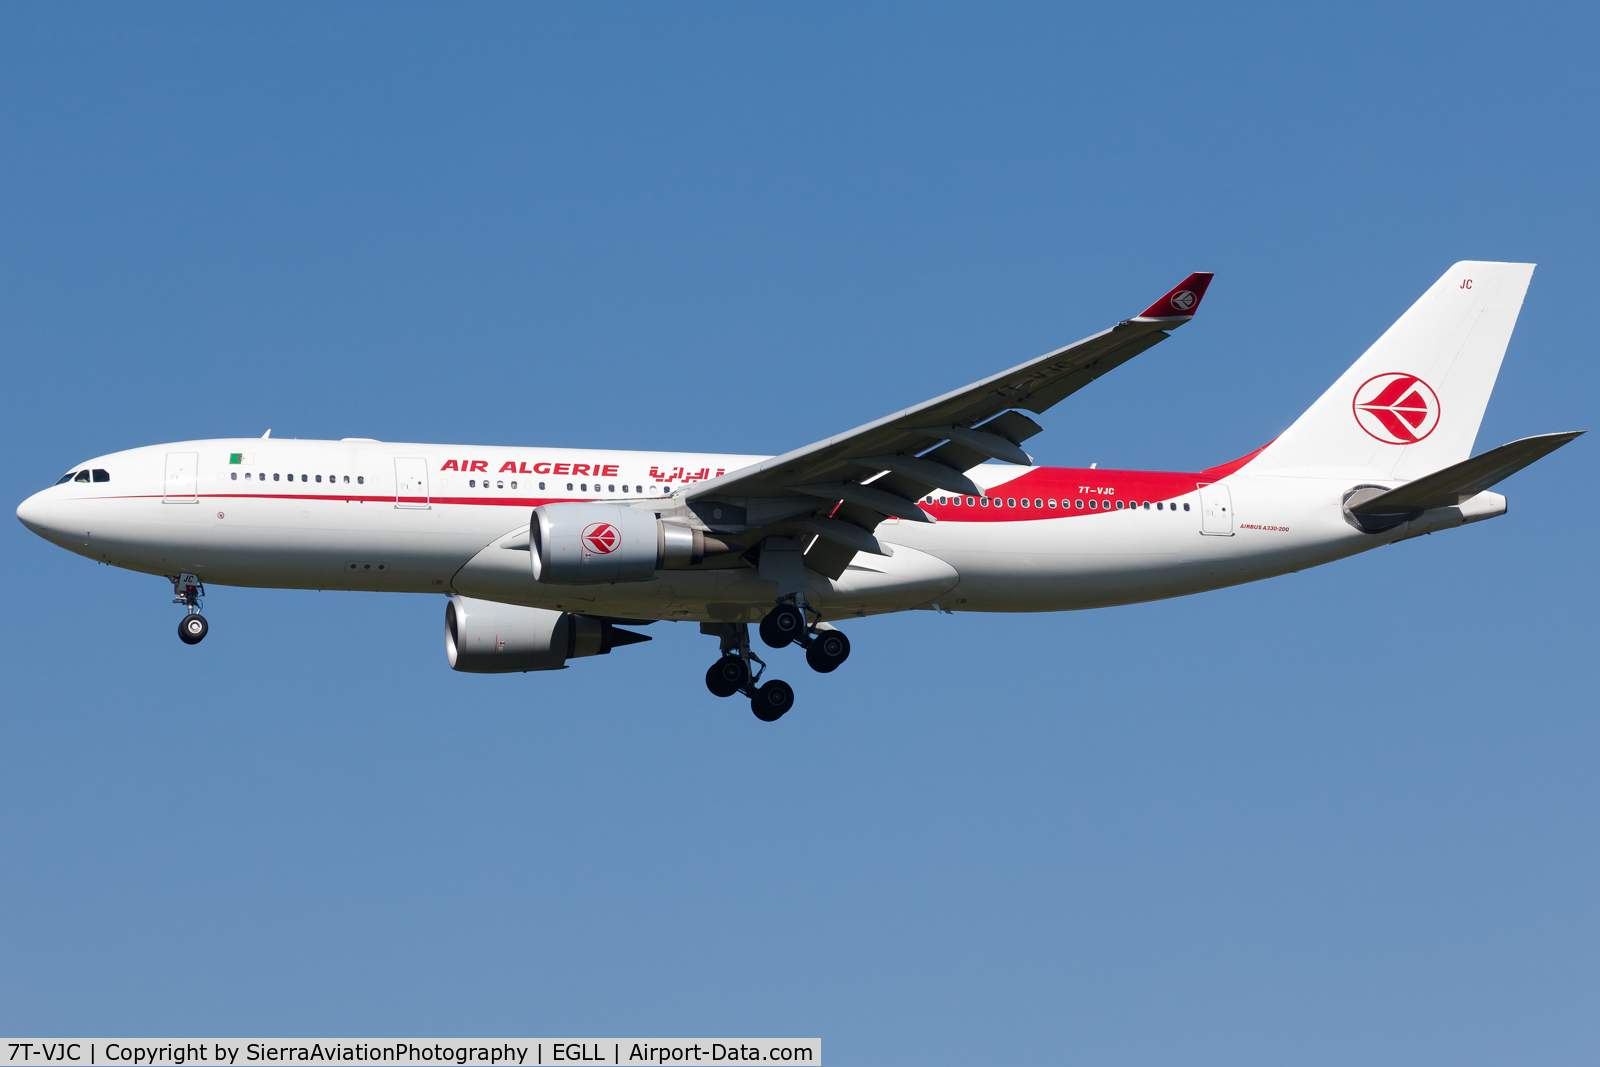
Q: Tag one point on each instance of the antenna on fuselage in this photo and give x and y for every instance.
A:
(266, 435)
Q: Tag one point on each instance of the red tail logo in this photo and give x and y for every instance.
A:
(1395, 408)
(601, 538)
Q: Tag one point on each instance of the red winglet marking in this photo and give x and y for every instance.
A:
(1183, 300)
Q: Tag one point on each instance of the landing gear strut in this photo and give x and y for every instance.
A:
(188, 591)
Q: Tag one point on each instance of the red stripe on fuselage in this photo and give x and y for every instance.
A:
(1068, 485)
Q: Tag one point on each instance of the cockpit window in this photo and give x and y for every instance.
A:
(102, 475)
(83, 476)
(67, 477)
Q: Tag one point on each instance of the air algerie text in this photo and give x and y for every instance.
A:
(594, 470)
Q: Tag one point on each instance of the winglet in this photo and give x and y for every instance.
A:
(1179, 305)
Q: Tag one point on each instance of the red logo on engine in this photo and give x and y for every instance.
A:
(1397, 409)
(601, 538)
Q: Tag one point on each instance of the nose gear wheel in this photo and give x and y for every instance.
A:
(192, 629)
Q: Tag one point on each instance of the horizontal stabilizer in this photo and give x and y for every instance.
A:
(1462, 481)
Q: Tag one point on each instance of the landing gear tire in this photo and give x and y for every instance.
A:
(828, 650)
(772, 700)
(727, 676)
(782, 625)
(192, 629)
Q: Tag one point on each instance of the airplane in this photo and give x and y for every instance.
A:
(548, 554)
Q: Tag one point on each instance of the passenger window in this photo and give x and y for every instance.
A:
(1051, 502)
(638, 489)
(944, 500)
(612, 488)
(1093, 504)
(513, 485)
(1186, 507)
(1147, 505)
(541, 485)
(1011, 502)
(319, 479)
(569, 487)
(1119, 505)
(983, 501)
(1024, 501)
(1038, 503)
(624, 488)
(233, 476)
(360, 479)
(102, 475)
(303, 478)
(82, 476)
(274, 477)
(1077, 503)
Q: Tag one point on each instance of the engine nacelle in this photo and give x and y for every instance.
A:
(580, 544)
(484, 637)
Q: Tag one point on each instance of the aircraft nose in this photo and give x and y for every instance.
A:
(34, 513)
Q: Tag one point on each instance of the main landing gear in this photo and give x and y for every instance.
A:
(188, 591)
(732, 674)
(786, 624)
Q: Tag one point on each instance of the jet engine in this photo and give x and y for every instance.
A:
(579, 543)
(483, 637)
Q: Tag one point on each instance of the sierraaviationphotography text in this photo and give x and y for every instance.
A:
(518, 1052)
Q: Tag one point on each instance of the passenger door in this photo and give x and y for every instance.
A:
(1216, 510)
(410, 482)
(182, 483)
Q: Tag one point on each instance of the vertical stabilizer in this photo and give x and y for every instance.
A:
(1413, 402)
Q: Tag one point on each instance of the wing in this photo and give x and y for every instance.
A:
(841, 488)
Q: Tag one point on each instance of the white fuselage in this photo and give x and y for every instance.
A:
(368, 515)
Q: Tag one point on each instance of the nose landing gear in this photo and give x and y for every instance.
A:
(188, 590)
(192, 629)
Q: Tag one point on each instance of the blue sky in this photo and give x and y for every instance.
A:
(1344, 815)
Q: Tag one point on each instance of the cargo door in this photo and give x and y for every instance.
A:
(182, 482)
(1216, 510)
(410, 482)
